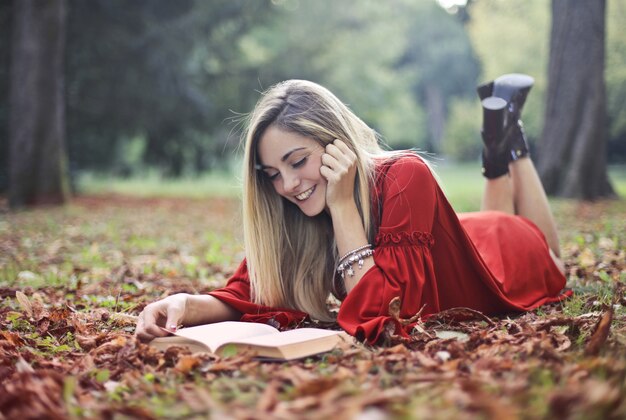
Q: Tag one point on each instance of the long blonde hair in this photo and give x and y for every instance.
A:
(291, 257)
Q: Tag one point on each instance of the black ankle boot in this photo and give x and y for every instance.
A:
(495, 153)
(514, 88)
(507, 142)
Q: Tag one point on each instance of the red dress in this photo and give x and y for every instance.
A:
(426, 254)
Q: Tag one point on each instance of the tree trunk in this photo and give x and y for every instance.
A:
(573, 147)
(37, 155)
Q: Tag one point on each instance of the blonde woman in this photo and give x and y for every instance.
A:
(326, 210)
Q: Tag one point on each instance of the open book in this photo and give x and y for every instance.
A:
(262, 340)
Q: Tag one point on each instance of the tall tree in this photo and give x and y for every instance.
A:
(160, 74)
(36, 96)
(573, 147)
(5, 35)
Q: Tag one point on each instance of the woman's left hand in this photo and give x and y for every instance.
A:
(339, 169)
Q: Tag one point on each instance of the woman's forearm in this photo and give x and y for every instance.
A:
(206, 309)
(350, 235)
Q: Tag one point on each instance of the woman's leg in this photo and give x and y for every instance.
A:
(530, 200)
(502, 101)
(522, 193)
(498, 195)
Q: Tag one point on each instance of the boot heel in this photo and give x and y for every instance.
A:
(494, 156)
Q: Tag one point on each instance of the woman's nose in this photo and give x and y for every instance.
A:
(290, 182)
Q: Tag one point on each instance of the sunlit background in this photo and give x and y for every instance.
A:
(159, 89)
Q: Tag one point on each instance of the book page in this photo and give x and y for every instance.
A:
(214, 335)
(300, 335)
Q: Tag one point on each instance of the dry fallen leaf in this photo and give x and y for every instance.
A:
(600, 334)
(24, 303)
(23, 366)
(187, 363)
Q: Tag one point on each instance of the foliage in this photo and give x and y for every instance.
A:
(158, 72)
(501, 35)
(378, 59)
(615, 76)
(462, 140)
(162, 85)
(159, 84)
(71, 280)
(514, 37)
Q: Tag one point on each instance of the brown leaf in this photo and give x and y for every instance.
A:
(84, 364)
(122, 319)
(297, 375)
(317, 386)
(25, 303)
(460, 313)
(395, 308)
(33, 395)
(111, 346)
(59, 314)
(86, 342)
(425, 360)
(493, 408)
(269, 398)
(186, 364)
(23, 366)
(600, 334)
(12, 338)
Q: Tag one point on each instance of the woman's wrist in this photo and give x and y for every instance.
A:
(348, 228)
(344, 210)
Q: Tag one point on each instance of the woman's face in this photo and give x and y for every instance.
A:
(292, 163)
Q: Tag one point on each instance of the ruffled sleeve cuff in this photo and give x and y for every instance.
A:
(403, 269)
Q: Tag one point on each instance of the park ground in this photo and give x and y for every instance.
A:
(73, 278)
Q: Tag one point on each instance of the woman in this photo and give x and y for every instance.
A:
(327, 210)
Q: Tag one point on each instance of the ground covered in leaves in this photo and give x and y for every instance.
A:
(72, 279)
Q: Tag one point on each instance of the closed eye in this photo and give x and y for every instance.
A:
(272, 177)
(300, 162)
(295, 165)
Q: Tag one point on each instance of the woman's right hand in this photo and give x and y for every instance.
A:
(157, 317)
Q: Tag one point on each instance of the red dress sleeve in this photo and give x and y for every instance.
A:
(403, 262)
(236, 294)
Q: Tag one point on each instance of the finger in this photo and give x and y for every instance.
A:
(174, 316)
(344, 149)
(150, 322)
(341, 145)
(341, 153)
(139, 326)
(330, 161)
(333, 150)
(156, 331)
(140, 331)
(328, 174)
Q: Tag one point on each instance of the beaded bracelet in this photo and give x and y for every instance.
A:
(354, 251)
(354, 257)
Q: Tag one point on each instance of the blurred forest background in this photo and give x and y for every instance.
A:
(160, 87)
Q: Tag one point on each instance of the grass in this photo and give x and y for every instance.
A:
(112, 253)
(213, 184)
(462, 184)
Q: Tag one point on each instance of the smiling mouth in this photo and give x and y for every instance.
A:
(306, 194)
